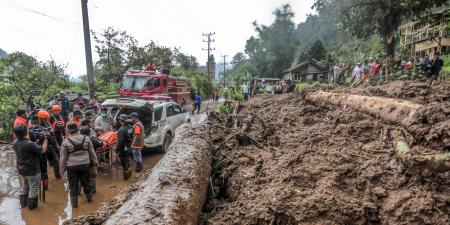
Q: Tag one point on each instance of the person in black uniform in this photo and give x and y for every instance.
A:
(125, 137)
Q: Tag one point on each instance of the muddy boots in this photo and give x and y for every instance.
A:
(127, 174)
(56, 171)
(93, 185)
(74, 201)
(138, 167)
(23, 201)
(32, 203)
(89, 197)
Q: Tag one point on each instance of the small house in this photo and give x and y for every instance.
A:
(306, 72)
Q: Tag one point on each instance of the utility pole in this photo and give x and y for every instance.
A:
(87, 49)
(224, 69)
(209, 49)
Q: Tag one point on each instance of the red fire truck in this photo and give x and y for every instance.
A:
(152, 85)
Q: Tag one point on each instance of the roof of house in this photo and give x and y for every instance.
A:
(302, 65)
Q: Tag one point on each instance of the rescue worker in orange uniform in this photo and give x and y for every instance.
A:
(77, 116)
(138, 140)
(58, 125)
(53, 146)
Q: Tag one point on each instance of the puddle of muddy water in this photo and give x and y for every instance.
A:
(57, 207)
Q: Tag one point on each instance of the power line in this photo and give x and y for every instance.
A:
(196, 35)
(27, 9)
(209, 49)
(188, 12)
(224, 69)
(187, 17)
(140, 17)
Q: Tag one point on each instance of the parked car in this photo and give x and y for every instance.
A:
(160, 119)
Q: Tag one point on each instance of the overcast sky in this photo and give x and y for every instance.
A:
(53, 28)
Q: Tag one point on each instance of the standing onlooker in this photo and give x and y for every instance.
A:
(77, 156)
(375, 69)
(356, 74)
(436, 66)
(64, 106)
(197, 103)
(246, 90)
(138, 140)
(125, 138)
(269, 88)
(28, 160)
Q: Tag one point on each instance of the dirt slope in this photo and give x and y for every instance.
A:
(302, 163)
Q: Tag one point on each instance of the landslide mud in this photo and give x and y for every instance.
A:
(302, 163)
(173, 192)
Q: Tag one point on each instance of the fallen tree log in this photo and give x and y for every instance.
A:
(175, 191)
(427, 164)
(392, 110)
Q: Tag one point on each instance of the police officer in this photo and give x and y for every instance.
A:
(125, 138)
(77, 156)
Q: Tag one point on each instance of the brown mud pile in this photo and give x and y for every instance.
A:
(173, 192)
(290, 161)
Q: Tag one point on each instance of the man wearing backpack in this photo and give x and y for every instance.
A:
(77, 156)
(125, 138)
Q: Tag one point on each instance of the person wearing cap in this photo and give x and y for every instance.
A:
(138, 140)
(39, 135)
(28, 156)
(77, 156)
(53, 146)
(65, 106)
(125, 138)
(103, 123)
(21, 120)
(58, 124)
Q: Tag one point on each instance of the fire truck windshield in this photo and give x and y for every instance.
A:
(140, 83)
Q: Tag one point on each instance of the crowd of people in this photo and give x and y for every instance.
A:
(64, 137)
(375, 70)
(253, 88)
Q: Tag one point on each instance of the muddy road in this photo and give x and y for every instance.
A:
(57, 209)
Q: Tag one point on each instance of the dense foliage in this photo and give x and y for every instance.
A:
(342, 31)
(21, 77)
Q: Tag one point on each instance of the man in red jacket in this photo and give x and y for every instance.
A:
(21, 120)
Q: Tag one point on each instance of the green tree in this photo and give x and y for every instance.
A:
(273, 49)
(25, 76)
(187, 62)
(316, 52)
(364, 18)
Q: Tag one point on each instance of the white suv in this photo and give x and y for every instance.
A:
(160, 119)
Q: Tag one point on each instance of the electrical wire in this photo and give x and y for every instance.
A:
(27, 9)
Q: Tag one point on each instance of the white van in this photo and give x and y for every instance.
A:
(160, 119)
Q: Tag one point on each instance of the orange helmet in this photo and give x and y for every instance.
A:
(56, 108)
(43, 115)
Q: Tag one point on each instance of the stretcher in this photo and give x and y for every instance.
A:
(109, 140)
